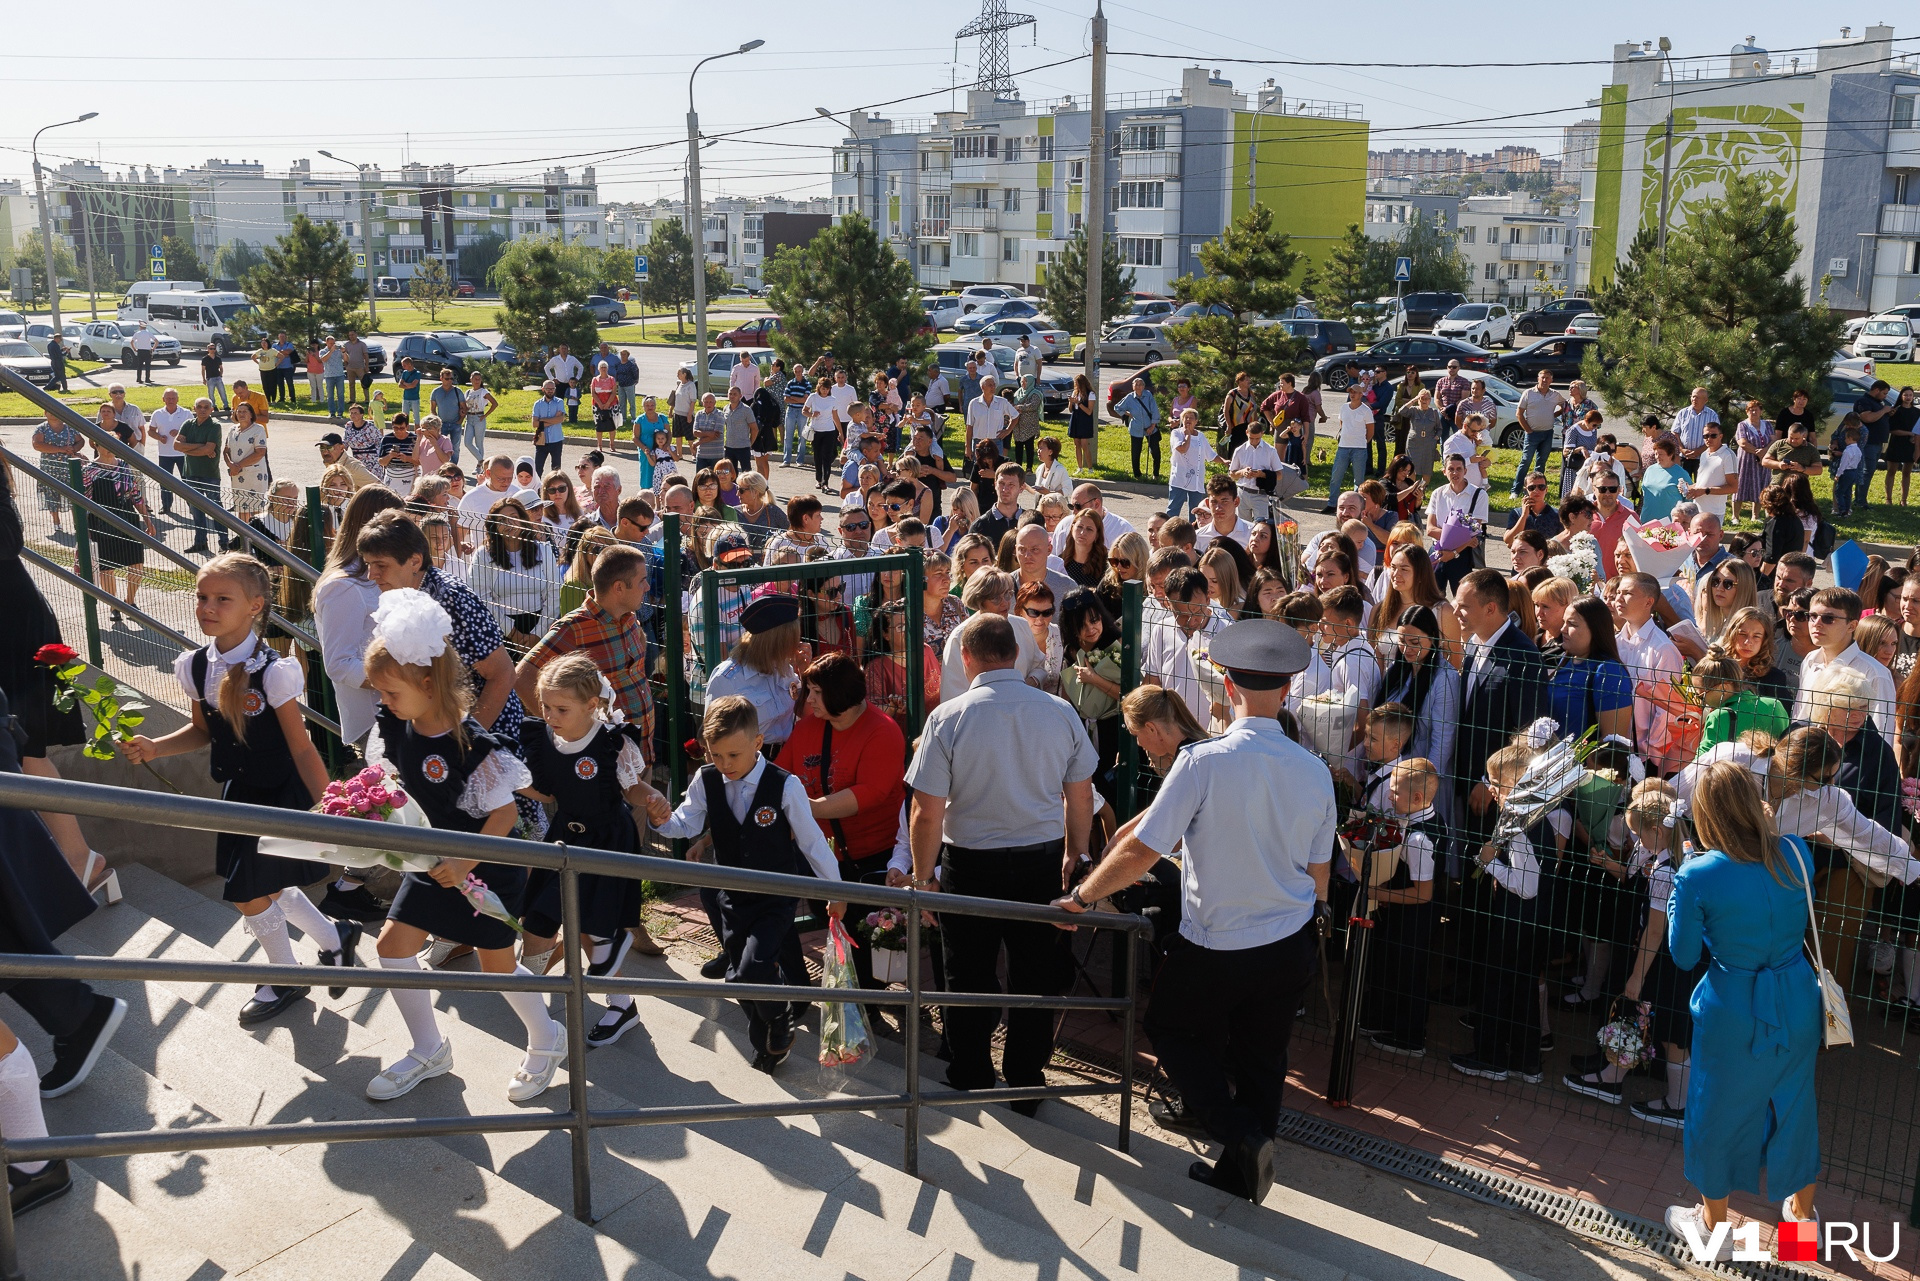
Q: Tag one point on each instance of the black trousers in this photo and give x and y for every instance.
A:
(1038, 962)
(1508, 1029)
(143, 366)
(757, 932)
(1152, 443)
(1396, 997)
(1025, 454)
(1220, 1023)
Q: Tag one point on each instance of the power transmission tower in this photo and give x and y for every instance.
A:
(995, 73)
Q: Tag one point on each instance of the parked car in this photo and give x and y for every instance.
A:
(608, 311)
(1506, 432)
(1154, 309)
(105, 340)
(1133, 344)
(720, 367)
(974, 296)
(1844, 390)
(1393, 355)
(987, 312)
(36, 336)
(1885, 337)
(444, 349)
(1159, 376)
(1845, 363)
(12, 324)
(1189, 310)
(952, 358)
(464, 289)
(1551, 318)
(1048, 338)
(387, 286)
(1323, 337)
(1585, 325)
(752, 334)
(1484, 324)
(1850, 330)
(1417, 312)
(942, 309)
(18, 358)
(1561, 357)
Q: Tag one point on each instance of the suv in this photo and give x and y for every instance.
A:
(1481, 323)
(446, 349)
(1885, 337)
(1552, 318)
(1418, 313)
(1323, 337)
(973, 296)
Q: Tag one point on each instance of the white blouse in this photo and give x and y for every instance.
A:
(491, 785)
(1829, 812)
(629, 767)
(283, 682)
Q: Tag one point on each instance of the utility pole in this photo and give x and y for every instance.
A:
(46, 222)
(366, 235)
(699, 223)
(1666, 169)
(1096, 200)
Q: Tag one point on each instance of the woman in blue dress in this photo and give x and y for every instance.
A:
(1591, 685)
(1756, 1014)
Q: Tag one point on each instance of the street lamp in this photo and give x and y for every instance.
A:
(366, 236)
(695, 210)
(46, 228)
(859, 159)
(1666, 167)
(1279, 99)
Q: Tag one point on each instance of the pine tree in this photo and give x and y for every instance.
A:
(1733, 317)
(534, 278)
(431, 289)
(1067, 284)
(1357, 270)
(306, 283)
(235, 259)
(670, 267)
(845, 290)
(1247, 271)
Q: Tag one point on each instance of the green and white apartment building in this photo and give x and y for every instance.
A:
(991, 195)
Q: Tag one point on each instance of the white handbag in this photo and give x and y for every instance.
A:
(1837, 1020)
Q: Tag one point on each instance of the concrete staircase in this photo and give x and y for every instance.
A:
(800, 1199)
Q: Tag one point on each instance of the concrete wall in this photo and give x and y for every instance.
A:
(1855, 183)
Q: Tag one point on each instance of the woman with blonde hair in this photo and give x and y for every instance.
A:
(1161, 722)
(1126, 563)
(1551, 600)
(1053, 509)
(764, 666)
(962, 510)
(1749, 638)
(579, 580)
(1728, 589)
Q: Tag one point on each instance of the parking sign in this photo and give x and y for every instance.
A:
(1403, 269)
(639, 266)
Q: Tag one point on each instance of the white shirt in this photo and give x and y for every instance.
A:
(818, 411)
(842, 395)
(953, 673)
(478, 501)
(343, 608)
(1464, 445)
(1203, 535)
(283, 681)
(1369, 555)
(1830, 812)
(1355, 420)
(1717, 466)
(1354, 666)
(1167, 656)
(563, 369)
(1517, 870)
(1113, 526)
(1189, 470)
(1473, 648)
(1263, 456)
(1885, 699)
(690, 817)
(1583, 480)
(165, 424)
(938, 390)
(986, 419)
(1052, 478)
(1470, 502)
(143, 340)
(1648, 656)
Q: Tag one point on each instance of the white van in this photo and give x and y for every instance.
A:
(133, 307)
(198, 319)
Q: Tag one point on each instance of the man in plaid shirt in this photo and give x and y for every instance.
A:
(606, 630)
(1449, 390)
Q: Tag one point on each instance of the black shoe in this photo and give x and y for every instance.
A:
(200, 545)
(1394, 1045)
(1025, 1107)
(1657, 1111)
(607, 1033)
(767, 1060)
(1254, 1157)
(342, 956)
(1370, 1032)
(356, 904)
(117, 620)
(1593, 1087)
(1546, 1042)
(259, 1011)
(1171, 1114)
(26, 1191)
(1471, 1066)
(74, 1056)
(716, 968)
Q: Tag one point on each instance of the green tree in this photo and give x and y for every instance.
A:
(845, 290)
(431, 288)
(32, 254)
(183, 260)
(235, 259)
(1733, 317)
(1067, 284)
(1357, 270)
(670, 267)
(307, 283)
(1249, 272)
(535, 278)
(477, 259)
(1437, 261)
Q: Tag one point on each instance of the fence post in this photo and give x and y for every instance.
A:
(712, 652)
(83, 562)
(576, 1003)
(1132, 599)
(672, 632)
(9, 1248)
(1126, 1038)
(916, 591)
(911, 1161)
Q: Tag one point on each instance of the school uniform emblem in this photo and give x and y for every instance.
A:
(254, 703)
(766, 815)
(586, 767)
(435, 768)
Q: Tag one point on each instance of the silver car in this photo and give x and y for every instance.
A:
(720, 363)
(106, 340)
(1135, 345)
(1045, 334)
(1506, 433)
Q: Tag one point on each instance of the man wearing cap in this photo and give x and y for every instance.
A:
(1001, 824)
(1258, 842)
(334, 453)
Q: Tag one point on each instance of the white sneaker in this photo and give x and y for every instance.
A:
(409, 1072)
(440, 951)
(1682, 1217)
(535, 1074)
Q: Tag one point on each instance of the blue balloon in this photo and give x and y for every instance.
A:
(1849, 563)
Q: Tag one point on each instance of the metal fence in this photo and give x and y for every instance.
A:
(92, 800)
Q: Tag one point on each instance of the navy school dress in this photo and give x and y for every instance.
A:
(1668, 988)
(40, 897)
(591, 812)
(259, 771)
(434, 772)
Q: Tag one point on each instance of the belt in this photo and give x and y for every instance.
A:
(1044, 847)
(1769, 1004)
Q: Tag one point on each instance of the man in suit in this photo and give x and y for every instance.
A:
(1504, 690)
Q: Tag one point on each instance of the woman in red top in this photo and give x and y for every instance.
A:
(852, 759)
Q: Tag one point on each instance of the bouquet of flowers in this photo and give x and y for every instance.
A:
(1673, 740)
(1555, 771)
(1287, 533)
(1458, 532)
(886, 930)
(1376, 832)
(1626, 1040)
(1326, 723)
(1910, 796)
(843, 1028)
(1581, 564)
(1659, 547)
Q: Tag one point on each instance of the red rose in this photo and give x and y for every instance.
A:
(55, 655)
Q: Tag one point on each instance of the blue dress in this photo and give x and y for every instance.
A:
(1581, 689)
(1756, 1026)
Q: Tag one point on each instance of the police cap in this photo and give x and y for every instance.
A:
(1260, 653)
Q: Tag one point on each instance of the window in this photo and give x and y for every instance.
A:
(1138, 251)
(1513, 271)
(751, 248)
(1903, 110)
(1143, 138)
(932, 255)
(1912, 265)
(1077, 171)
(842, 162)
(937, 206)
(975, 198)
(406, 255)
(1044, 204)
(1046, 147)
(1900, 186)
(289, 197)
(1012, 155)
(496, 200)
(1010, 249)
(976, 146)
(1513, 235)
(1142, 195)
(1010, 200)
(1075, 221)
(526, 202)
(1493, 271)
(966, 244)
(1550, 235)
(754, 225)
(1468, 235)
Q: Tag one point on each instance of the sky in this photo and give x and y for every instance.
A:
(499, 89)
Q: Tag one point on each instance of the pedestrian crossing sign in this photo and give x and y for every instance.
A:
(157, 268)
(359, 262)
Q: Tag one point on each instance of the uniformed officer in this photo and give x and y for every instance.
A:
(1254, 813)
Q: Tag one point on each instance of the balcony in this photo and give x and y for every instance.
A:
(1149, 165)
(406, 242)
(1903, 149)
(936, 180)
(976, 219)
(1533, 253)
(976, 171)
(933, 228)
(1900, 220)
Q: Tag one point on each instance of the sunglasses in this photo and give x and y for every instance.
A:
(1039, 613)
(1827, 617)
(855, 524)
(1122, 561)
(1607, 489)
(1536, 489)
(1793, 615)
(1725, 582)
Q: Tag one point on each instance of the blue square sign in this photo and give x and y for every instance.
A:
(639, 266)
(1403, 269)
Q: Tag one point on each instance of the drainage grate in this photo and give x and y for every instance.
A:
(1580, 1215)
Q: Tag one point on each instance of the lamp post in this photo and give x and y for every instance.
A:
(1666, 168)
(694, 212)
(46, 223)
(366, 237)
(859, 163)
(1279, 99)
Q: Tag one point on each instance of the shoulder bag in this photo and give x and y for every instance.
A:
(1837, 1021)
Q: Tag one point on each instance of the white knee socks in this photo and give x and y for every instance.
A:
(1910, 974)
(542, 1031)
(309, 920)
(270, 927)
(416, 1007)
(602, 950)
(20, 1114)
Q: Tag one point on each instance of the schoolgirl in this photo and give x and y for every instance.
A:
(246, 711)
(464, 780)
(592, 766)
(1394, 1014)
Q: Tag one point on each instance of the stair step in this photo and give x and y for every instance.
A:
(95, 1234)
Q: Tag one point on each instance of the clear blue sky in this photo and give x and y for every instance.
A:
(502, 86)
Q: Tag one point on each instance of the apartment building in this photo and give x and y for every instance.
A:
(741, 233)
(1516, 251)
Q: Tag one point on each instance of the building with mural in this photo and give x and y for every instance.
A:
(991, 194)
(1833, 136)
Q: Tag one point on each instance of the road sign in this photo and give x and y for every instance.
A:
(157, 268)
(359, 262)
(639, 266)
(1403, 269)
(154, 251)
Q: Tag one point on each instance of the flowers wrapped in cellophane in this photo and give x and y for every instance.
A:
(1556, 770)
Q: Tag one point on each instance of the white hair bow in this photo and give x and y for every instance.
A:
(611, 712)
(412, 626)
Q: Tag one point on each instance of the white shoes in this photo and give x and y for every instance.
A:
(1681, 1218)
(533, 1077)
(101, 881)
(409, 1072)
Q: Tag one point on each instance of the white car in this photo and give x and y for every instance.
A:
(1506, 433)
(1481, 323)
(1852, 366)
(1851, 330)
(13, 325)
(942, 309)
(1047, 337)
(105, 340)
(1585, 325)
(973, 296)
(1885, 337)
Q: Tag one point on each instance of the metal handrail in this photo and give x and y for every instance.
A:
(98, 801)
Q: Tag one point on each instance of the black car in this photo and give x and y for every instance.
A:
(1423, 310)
(447, 349)
(1423, 351)
(1561, 357)
(1552, 318)
(1323, 337)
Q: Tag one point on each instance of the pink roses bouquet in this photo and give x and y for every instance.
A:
(365, 795)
